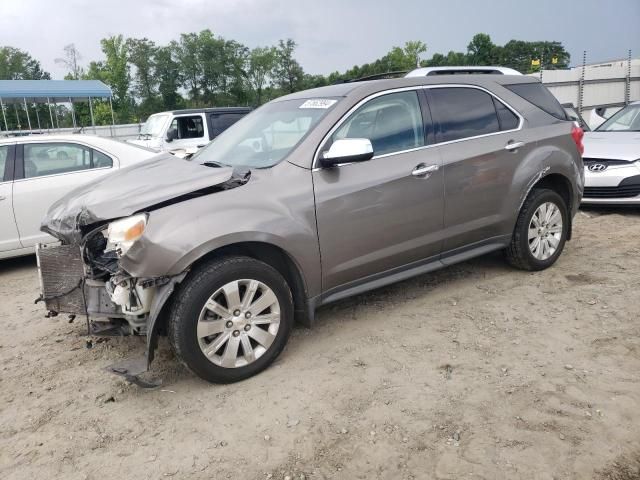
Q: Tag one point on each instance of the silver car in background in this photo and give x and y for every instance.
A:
(612, 160)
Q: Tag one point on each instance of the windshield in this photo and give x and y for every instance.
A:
(266, 136)
(153, 126)
(626, 120)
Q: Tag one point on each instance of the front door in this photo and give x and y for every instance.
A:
(191, 132)
(9, 238)
(383, 213)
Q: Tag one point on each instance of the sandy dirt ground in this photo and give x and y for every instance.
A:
(477, 371)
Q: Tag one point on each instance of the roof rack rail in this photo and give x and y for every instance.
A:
(377, 76)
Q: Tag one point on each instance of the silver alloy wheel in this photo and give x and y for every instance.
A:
(545, 231)
(238, 323)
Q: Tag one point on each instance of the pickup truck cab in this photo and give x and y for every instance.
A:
(187, 130)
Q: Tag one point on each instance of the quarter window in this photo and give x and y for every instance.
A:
(463, 113)
(54, 158)
(537, 94)
(392, 122)
(100, 160)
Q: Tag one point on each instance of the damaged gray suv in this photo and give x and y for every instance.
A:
(312, 198)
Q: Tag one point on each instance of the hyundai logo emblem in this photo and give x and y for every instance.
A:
(597, 167)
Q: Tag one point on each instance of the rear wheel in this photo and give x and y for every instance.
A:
(231, 319)
(540, 232)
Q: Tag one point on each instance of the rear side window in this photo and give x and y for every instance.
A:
(221, 121)
(42, 159)
(542, 98)
(463, 113)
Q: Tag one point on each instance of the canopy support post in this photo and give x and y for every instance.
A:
(113, 118)
(93, 123)
(4, 115)
(55, 107)
(27, 110)
(38, 118)
(15, 109)
(73, 113)
(50, 113)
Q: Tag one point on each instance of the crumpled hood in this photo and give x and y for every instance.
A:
(147, 185)
(612, 145)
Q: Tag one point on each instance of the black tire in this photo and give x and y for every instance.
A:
(192, 295)
(518, 253)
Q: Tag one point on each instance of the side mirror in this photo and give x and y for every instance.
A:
(347, 150)
(172, 134)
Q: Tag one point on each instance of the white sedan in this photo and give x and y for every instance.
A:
(612, 160)
(37, 170)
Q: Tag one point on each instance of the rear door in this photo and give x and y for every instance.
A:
(9, 238)
(482, 144)
(45, 172)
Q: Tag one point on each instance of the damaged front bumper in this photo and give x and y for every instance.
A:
(114, 303)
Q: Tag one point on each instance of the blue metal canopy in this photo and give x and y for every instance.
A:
(15, 91)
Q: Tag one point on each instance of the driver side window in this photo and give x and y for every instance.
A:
(392, 123)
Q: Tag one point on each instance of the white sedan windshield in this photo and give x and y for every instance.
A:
(626, 120)
(266, 136)
(154, 125)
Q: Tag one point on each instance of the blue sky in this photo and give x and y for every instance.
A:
(332, 34)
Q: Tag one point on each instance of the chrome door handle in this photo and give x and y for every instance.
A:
(422, 169)
(2, 198)
(513, 146)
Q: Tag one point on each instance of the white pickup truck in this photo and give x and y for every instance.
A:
(181, 131)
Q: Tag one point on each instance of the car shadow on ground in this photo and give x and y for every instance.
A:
(624, 210)
(10, 265)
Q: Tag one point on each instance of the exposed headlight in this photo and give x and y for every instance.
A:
(122, 234)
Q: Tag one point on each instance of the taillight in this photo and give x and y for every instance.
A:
(577, 133)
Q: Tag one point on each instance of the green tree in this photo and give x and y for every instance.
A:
(187, 53)
(16, 64)
(116, 73)
(169, 78)
(481, 50)
(518, 54)
(261, 63)
(287, 72)
(142, 55)
(314, 81)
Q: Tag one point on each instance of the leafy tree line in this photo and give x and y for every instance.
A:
(203, 69)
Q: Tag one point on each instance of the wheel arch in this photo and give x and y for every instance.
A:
(560, 184)
(268, 253)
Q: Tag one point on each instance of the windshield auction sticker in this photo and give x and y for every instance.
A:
(318, 103)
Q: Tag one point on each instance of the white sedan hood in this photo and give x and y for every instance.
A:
(612, 145)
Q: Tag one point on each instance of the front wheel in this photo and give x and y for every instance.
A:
(231, 318)
(540, 232)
